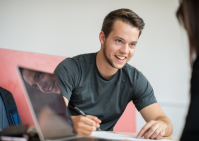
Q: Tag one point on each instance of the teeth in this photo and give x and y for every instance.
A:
(51, 87)
(122, 58)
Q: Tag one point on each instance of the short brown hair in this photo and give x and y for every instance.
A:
(126, 15)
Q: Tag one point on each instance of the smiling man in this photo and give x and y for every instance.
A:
(102, 84)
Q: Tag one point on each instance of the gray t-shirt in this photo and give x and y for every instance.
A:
(84, 87)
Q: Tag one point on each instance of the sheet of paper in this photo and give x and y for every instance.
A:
(7, 138)
(105, 135)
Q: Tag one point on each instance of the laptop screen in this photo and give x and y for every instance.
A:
(48, 107)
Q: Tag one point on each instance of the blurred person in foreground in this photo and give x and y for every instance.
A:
(188, 15)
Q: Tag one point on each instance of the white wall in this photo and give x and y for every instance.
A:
(69, 28)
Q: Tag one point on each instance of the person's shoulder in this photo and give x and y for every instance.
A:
(82, 58)
(85, 58)
(133, 73)
(76, 65)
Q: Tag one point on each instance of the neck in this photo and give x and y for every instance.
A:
(104, 68)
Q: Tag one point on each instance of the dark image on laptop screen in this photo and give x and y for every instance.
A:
(52, 115)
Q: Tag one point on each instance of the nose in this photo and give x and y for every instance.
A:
(42, 86)
(125, 49)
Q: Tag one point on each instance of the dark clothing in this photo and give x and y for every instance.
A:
(3, 115)
(191, 129)
(82, 84)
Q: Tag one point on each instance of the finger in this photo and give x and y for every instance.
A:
(86, 121)
(160, 135)
(84, 132)
(82, 126)
(145, 133)
(155, 134)
(144, 129)
(151, 131)
(96, 119)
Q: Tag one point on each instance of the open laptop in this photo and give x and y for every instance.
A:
(45, 101)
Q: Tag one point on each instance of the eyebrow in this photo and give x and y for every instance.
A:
(123, 39)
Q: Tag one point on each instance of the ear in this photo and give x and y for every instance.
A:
(102, 37)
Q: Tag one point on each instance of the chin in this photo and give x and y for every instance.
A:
(119, 66)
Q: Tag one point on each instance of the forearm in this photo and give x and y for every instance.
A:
(169, 126)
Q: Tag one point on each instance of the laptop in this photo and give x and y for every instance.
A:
(46, 104)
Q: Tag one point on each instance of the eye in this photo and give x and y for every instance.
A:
(38, 76)
(119, 41)
(35, 86)
(133, 45)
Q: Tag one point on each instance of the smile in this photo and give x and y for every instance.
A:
(120, 58)
(52, 86)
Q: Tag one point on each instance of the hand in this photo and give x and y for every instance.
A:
(85, 125)
(153, 130)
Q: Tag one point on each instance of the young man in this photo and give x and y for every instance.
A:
(102, 84)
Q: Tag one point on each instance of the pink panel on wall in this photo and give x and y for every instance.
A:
(9, 59)
(127, 122)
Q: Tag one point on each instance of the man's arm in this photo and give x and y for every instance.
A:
(68, 76)
(84, 125)
(158, 124)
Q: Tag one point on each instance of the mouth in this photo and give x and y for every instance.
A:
(120, 58)
(52, 86)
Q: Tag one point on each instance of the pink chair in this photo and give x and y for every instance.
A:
(127, 122)
(9, 80)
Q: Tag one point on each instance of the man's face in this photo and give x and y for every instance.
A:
(120, 45)
(42, 81)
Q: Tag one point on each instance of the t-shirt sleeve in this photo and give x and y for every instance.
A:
(68, 76)
(144, 94)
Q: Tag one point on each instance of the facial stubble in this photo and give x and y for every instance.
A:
(110, 62)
